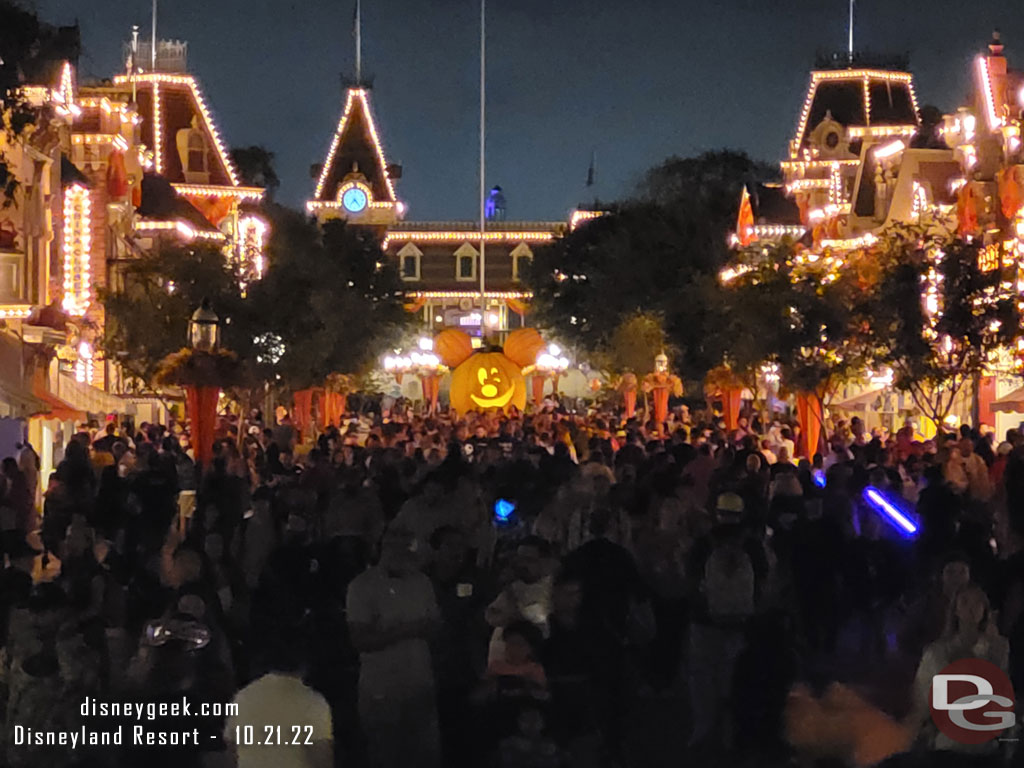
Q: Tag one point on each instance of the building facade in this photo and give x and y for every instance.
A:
(438, 261)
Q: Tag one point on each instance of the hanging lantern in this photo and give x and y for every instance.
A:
(204, 328)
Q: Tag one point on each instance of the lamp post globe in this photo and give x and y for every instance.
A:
(204, 328)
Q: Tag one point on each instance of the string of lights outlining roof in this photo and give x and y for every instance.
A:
(472, 294)
(158, 77)
(580, 216)
(208, 190)
(353, 94)
(865, 75)
(14, 311)
(183, 228)
(158, 152)
(116, 139)
(449, 236)
(989, 95)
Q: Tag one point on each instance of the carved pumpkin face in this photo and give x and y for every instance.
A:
(487, 380)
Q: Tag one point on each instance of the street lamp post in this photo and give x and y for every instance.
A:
(551, 363)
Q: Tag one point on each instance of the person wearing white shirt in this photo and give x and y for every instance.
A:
(280, 721)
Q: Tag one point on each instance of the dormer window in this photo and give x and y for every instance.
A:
(409, 262)
(196, 153)
(465, 262)
(522, 257)
(193, 152)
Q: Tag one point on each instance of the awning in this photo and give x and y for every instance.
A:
(1011, 403)
(88, 398)
(860, 402)
(55, 408)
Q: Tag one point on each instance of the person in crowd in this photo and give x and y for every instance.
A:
(392, 613)
(542, 588)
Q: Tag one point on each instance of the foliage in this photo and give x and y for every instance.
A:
(255, 166)
(147, 314)
(635, 343)
(29, 49)
(711, 183)
(331, 297)
(200, 368)
(934, 354)
(804, 315)
(327, 304)
(658, 254)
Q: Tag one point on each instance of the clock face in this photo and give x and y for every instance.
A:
(354, 200)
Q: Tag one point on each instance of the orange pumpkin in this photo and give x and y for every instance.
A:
(488, 380)
(523, 346)
(453, 347)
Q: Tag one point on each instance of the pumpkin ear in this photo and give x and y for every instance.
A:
(523, 346)
(453, 347)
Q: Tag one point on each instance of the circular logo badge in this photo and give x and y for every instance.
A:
(971, 701)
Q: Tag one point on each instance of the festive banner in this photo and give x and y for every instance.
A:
(302, 413)
(629, 399)
(201, 404)
(809, 413)
(732, 402)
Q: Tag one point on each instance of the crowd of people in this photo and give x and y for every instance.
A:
(515, 591)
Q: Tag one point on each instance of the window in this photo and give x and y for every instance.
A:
(409, 262)
(196, 152)
(522, 257)
(465, 262)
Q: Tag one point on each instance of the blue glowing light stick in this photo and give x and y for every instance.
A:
(889, 511)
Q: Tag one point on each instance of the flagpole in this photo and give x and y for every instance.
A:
(850, 42)
(152, 51)
(483, 85)
(359, 43)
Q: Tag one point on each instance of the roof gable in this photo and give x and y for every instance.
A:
(172, 108)
(857, 98)
(355, 146)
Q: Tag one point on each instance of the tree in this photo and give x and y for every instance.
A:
(29, 52)
(658, 253)
(146, 316)
(937, 319)
(255, 166)
(329, 297)
(816, 313)
(635, 343)
(711, 182)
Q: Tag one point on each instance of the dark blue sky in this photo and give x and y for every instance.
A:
(636, 80)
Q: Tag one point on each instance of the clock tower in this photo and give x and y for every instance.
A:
(355, 182)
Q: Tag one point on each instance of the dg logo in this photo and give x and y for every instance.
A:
(972, 701)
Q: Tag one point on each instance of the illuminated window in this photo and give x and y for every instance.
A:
(409, 262)
(465, 262)
(988, 258)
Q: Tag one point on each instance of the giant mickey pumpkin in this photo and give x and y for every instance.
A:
(488, 378)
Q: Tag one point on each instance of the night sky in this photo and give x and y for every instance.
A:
(634, 80)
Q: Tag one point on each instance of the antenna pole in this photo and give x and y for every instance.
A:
(359, 43)
(483, 102)
(850, 41)
(152, 49)
(135, 57)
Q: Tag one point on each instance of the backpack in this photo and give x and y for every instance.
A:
(728, 584)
